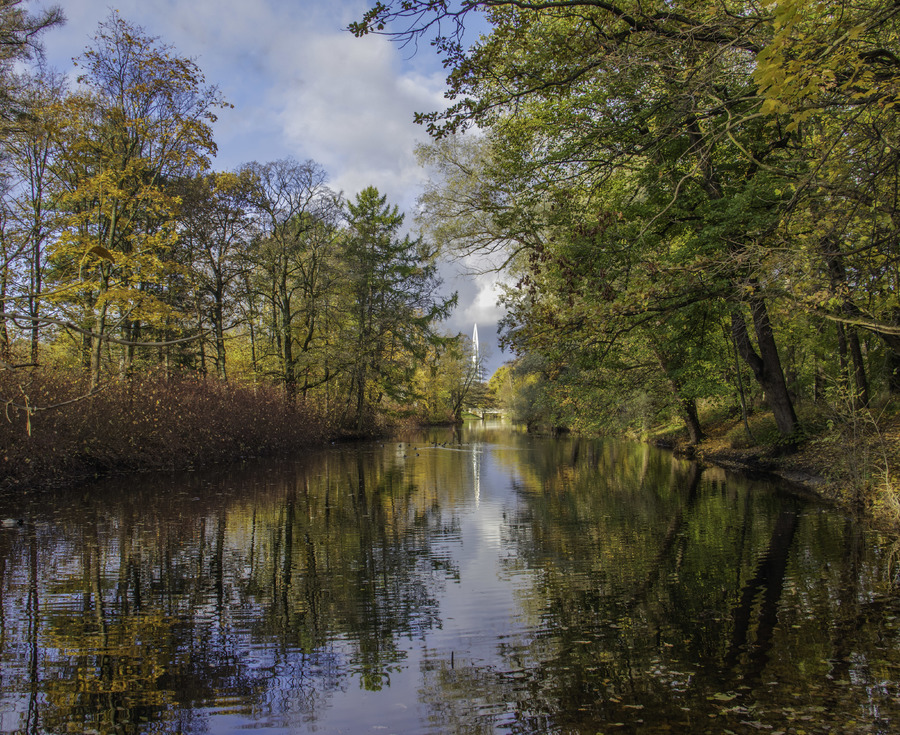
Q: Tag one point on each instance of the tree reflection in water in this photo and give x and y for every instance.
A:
(494, 582)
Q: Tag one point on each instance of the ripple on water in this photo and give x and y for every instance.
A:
(531, 586)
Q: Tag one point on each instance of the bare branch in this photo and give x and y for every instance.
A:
(104, 337)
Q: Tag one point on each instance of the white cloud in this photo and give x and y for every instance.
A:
(301, 86)
(483, 308)
(352, 108)
(477, 305)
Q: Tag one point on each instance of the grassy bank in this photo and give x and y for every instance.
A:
(851, 458)
(152, 422)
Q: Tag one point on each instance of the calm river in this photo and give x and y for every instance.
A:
(470, 581)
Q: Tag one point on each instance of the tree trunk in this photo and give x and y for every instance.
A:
(766, 365)
(34, 302)
(692, 420)
(219, 327)
(843, 351)
(251, 319)
(253, 348)
(687, 406)
(287, 340)
(4, 331)
(893, 371)
(290, 380)
(848, 338)
(818, 383)
(132, 334)
(97, 348)
(202, 347)
(88, 321)
(742, 395)
(861, 383)
(851, 363)
(360, 396)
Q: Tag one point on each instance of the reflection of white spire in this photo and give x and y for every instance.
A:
(476, 472)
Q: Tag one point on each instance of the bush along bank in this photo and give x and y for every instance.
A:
(51, 434)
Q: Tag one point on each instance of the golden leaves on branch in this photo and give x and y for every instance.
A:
(818, 58)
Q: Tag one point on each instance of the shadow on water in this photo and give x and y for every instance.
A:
(460, 580)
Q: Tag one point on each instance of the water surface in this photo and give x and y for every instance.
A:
(467, 581)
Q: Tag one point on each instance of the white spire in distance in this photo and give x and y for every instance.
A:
(476, 357)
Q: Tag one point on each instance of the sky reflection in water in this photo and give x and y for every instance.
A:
(469, 581)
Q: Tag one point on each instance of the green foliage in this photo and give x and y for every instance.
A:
(393, 302)
(676, 191)
(21, 32)
(447, 382)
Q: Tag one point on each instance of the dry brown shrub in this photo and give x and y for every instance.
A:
(149, 422)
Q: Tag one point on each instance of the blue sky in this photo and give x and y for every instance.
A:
(302, 87)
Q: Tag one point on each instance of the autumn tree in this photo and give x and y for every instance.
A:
(31, 148)
(448, 378)
(216, 232)
(141, 119)
(297, 217)
(20, 34)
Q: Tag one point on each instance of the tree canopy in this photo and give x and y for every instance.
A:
(650, 167)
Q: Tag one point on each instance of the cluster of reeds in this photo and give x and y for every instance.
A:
(53, 431)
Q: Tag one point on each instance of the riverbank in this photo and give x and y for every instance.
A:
(854, 465)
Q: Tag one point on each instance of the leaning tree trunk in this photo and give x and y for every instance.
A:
(691, 420)
(766, 365)
(688, 406)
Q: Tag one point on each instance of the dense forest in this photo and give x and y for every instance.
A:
(132, 273)
(697, 201)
